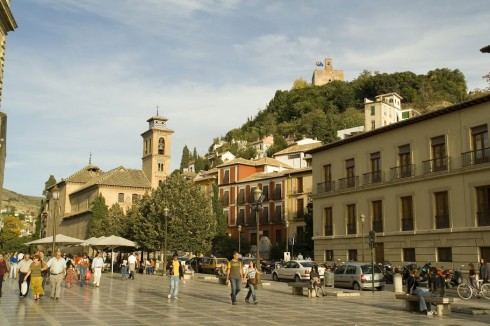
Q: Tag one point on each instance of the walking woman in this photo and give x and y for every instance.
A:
(36, 277)
(250, 275)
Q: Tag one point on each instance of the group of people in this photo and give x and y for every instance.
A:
(32, 272)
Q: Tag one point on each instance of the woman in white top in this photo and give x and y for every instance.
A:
(250, 275)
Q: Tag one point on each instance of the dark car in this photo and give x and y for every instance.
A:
(196, 264)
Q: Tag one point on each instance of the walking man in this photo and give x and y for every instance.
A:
(234, 274)
(176, 272)
(22, 270)
(132, 265)
(97, 264)
(57, 270)
(3, 272)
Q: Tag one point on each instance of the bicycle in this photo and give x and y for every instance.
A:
(466, 290)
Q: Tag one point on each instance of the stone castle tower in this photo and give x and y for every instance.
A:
(327, 74)
(156, 150)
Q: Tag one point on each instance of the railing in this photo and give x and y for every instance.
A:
(478, 156)
(378, 226)
(407, 224)
(483, 218)
(351, 228)
(442, 221)
(241, 200)
(436, 165)
(373, 177)
(297, 191)
(325, 187)
(299, 215)
(328, 230)
(277, 195)
(402, 171)
(350, 182)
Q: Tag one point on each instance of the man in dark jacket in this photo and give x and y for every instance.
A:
(176, 272)
(483, 270)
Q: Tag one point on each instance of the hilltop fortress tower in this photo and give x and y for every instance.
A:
(327, 74)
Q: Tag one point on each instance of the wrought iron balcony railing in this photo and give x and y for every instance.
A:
(325, 187)
(402, 171)
(478, 156)
(346, 183)
(373, 177)
(407, 224)
(483, 218)
(442, 221)
(436, 165)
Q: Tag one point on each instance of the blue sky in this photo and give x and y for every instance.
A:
(83, 76)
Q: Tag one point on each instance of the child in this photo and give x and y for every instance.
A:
(71, 276)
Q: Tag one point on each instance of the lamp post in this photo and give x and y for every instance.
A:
(55, 192)
(286, 223)
(165, 216)
(239, 238)
(363, 218)
(257, 205)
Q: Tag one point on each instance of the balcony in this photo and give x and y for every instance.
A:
(325, 187)
(299, 191)
(346, 183)
(436, 165)
(483, 218)
(407, 224)
(442, 221)
(476, 157)
(378, 225)
(373, 177)
(402, 171)
(299, 215)
(351, 228)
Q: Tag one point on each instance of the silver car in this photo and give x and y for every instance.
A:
(358, 276)
(297, 270)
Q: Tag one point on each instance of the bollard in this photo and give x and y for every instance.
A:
(328, 278)
(397, 283)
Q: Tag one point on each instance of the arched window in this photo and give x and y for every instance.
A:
(161, 146)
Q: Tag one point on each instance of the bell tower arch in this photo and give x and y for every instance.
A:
(156, 150)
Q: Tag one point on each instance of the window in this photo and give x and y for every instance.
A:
(120, 198)
(241, 217)
(134, 198)
(226, 198)
(160, 167)
(373, 125)
(480, 144)
(376, 167)
(377, 207)
(277, 192)
(407, 213)
(351, 219)
(404, 161)
(226, 178)
(483, 205)
(300, 212)
(265, 192)
(438, 146)
(405, 115)
(441, 209)
(373, 110)
(485, 253)
(350, 180)
(445, 254)
(278, 213)
(329, 255)
(299, 184)
(328, 230)
(226, 213)
(241, 197)
(352, 257)
(408, 255)
(161, 146)
(327, 185)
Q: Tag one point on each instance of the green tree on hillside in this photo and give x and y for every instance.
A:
(279, 144)
(10, 234)
(49, 183)
(186, 157)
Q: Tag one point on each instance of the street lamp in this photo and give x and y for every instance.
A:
(239, 238)
(165, 216)
(363, 218)
(55, 192)
(257, 205)
(286, 223)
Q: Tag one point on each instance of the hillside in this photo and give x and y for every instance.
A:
(21, 203)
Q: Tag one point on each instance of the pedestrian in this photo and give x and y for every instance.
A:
(4, 271)
(315, 280)
(234, 275)
(82, 266)
(57, 271)
(132, 265)
(44, 273)
(251, 278)
(472, 275)
(22, 270)
(13, 265)
(71, 276)
(35, 274)
(413, 288)
(97, 264)
(124, 268)
(484, 271)
(176, 272)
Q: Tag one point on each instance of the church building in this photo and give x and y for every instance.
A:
(70, 213)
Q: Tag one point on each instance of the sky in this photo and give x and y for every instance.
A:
(82, 77)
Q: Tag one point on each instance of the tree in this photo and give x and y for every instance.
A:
(300, 83)
(184, 161)
(10, 233)
(49, 183)
(98, 220)
(304, 241)
(116, 221)
(279, 144)
(221, 222)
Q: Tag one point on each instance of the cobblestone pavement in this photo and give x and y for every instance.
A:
(205, 302)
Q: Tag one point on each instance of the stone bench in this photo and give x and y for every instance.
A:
(412, 303)
(298, 288)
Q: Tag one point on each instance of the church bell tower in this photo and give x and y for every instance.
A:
(156, 150)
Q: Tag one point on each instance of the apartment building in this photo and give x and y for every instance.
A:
(422, 184)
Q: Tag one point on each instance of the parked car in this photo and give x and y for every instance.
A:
(358, 276)
(196, 264)
(297, 270)
(213, 265)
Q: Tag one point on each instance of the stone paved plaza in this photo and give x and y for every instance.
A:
(206, 302)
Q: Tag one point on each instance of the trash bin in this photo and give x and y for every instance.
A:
(328, 279)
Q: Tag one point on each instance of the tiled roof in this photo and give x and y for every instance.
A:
(121, 177)
(238, 160)
(298, 148)
(259, 162)
(84, 175)
(271, 175)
